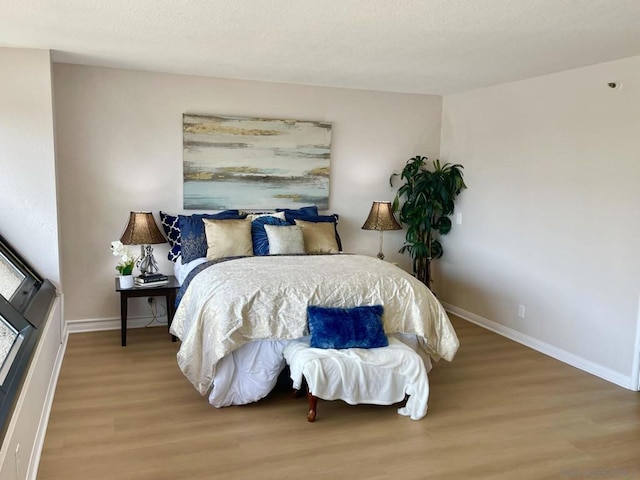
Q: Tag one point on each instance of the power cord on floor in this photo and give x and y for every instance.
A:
(153, 306)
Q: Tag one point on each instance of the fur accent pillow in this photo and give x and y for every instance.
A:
(357, 327)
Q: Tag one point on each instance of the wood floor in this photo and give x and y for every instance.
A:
(498, 411)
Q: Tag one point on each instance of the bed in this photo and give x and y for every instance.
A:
(236, 315)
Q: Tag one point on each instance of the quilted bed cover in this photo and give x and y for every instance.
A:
(233, 303)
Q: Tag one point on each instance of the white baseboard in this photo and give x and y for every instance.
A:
(38, 444)
(543, 347)
(100, 324)
(635, 370)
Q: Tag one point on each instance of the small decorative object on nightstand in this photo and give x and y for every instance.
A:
(168, 289)
(381, 218)
(151, 280)
(126, 281)
(142, 230)
(125, 267)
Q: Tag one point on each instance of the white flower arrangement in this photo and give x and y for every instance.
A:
(128, 261)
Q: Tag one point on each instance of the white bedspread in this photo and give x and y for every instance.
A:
(380, 376)
(265, 298)
(247, 374)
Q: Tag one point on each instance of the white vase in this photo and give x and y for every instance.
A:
(126, 281)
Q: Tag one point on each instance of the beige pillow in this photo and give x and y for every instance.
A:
(227, 238)
(319, 237)
(285, 239)
(254, 216)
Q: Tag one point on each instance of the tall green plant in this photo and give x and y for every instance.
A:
(427, 198)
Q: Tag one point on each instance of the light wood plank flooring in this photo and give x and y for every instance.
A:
(498, 411)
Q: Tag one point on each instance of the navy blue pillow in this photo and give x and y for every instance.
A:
(292, 217)
(357, 327)
(259, 234)
(172, 231)
(192, 236)
(312, 210)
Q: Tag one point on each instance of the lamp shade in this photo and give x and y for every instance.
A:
(381, 218)
(141, 230)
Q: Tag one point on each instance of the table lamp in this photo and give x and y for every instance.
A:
(142, 230)
(381, 218)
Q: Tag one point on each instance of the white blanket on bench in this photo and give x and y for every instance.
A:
(380, 376)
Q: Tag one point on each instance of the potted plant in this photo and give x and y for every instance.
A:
(127, 262)
(427, 197)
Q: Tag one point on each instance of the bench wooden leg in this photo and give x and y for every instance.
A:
(301, 391)
(297, 393)
(313, 403)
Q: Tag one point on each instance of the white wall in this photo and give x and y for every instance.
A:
(119, 145)
(550, 219)
(28, 220)
(28, 208)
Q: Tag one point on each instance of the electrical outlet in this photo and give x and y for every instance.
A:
(149, 300)
(459, 219)
(521, 311)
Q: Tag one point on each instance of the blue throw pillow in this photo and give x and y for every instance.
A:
(357, 327)
(259, 234)
(312, 210)
(192, 236)
(172, 231)
(333, 218)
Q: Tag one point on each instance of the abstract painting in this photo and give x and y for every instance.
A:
(254, 163)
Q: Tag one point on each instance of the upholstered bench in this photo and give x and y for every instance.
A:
(381, 376)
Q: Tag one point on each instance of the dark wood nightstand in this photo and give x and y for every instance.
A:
(168, 290)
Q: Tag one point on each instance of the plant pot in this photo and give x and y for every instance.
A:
(126, 281)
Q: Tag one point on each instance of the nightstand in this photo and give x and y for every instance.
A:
(168, 290)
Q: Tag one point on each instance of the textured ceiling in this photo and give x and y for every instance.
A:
(416, 46)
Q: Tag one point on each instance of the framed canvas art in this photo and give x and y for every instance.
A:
(254, 163)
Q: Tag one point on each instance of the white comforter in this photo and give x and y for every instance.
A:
(265, 298)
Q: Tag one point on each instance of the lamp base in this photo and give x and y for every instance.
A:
(380, 254)
(147, 264)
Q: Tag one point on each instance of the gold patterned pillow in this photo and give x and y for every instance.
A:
(319, 237)
(228, 238)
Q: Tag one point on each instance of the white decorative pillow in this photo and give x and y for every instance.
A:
(253, 216)
(319, 237)
(284, 239)
(228, 238)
